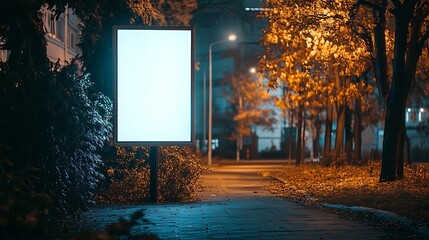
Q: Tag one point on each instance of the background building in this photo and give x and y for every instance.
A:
(214, 21)
(62, 36)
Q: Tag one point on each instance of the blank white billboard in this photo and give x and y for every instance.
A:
(154, 86)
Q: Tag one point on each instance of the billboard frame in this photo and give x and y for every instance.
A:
(118, 142)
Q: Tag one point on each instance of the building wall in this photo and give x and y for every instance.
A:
(214, 23)
(4, 55)
(62, 36)
(417, 125)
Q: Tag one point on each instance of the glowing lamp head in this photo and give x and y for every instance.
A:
(232, 37)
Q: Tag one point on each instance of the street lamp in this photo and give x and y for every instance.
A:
(252, 71)
(231, 37)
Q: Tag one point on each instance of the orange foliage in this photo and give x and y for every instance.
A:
(305, 42)
(358, 186)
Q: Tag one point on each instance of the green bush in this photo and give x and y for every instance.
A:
(128, 176)
(179, 172)
(50, 120)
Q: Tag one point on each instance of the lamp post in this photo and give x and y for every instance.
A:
(252, 71)
(231, 37)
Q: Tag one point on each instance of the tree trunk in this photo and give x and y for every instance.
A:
(414, 50)
(341, 119)
(395, 102)
(380, 49)
(317, 125)
(407, 50)
(357, 155)
(284, 137)
(401, 152)
(328, 128)
(290, 135)
(304, 126)
(237, 152)
(395, 112)
(349, 134)
(299, 142)
(341, 115)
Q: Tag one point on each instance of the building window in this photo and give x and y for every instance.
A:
(4, 55)
(71, 39)
(59, 29)
(50, 22)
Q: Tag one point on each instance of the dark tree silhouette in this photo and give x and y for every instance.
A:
(411, 31)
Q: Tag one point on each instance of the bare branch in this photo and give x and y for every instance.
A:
(377, 7)
(422, 13)
(371, 5)
(423, 39)
(365, 36)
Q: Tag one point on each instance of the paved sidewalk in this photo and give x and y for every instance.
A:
(234, 205)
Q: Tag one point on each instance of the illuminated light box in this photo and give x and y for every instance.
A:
(154, 82)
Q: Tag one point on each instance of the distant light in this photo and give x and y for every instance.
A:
(408, 109)
(253, 9)
(252, 70)
(422, 109)
(232, 37)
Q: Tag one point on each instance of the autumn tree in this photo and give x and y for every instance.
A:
(310, 47)
(408, 21)
(286, 61)
(250, 106)
(304, 92)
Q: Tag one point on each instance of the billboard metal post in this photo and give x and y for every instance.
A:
(153, 164)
